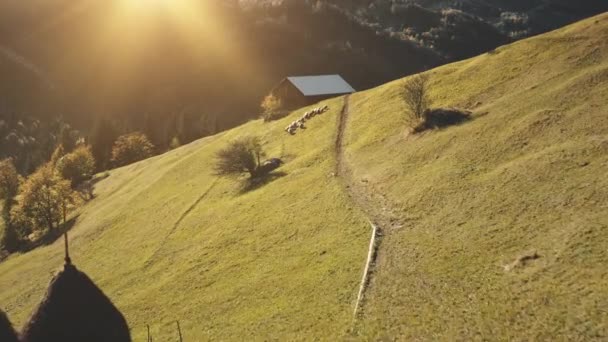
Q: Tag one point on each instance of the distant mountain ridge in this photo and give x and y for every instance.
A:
(509, 16)
(171, 80)
(212, 83)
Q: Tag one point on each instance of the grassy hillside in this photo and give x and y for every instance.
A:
(167, 240)
(527, 173)
(280, 261)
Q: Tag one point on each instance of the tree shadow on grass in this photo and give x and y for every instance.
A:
(258, 182)
(86, 190)
(50, 237)
(443, 117)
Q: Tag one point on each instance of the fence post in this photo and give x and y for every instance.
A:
(179, 330)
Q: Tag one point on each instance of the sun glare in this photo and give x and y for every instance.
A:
(133, 28)
(149, 4)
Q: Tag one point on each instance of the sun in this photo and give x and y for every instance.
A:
(149, 5)
(151, 2)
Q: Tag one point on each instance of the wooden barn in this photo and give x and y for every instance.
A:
(300, 91)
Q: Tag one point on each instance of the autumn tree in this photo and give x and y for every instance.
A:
(58, 153)
(416, 96)
(9, 186)
(77, 166)
(45, 199)
(130, 148)
(271, 108)
(239, 157)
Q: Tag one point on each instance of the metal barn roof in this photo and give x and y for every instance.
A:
(321, 85)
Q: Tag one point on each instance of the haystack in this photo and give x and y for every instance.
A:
(75, 310)
(7, 333)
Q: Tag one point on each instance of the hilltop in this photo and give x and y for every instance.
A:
(494, 228)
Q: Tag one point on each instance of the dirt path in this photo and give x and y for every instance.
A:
(362, 192)
(179, 221)
(376, 207)
(342, 120)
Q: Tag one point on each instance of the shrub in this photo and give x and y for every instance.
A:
(416, 97)
(175, 143)
(131, 148)
(272, 108)
(77, 166)
(239, 157)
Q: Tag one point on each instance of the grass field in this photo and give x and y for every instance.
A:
(527, 173)
(167, 240)
(281, 261)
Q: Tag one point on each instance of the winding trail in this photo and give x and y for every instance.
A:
(375, 206)
(179, 221)
(342, 121)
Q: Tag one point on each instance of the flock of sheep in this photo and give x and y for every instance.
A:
(293, 127)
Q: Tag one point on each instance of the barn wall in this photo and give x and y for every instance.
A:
(289, 95)
(314, 99)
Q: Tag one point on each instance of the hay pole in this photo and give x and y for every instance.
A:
(149, 337)
(67, 259)
(179, 331)
(365, 279)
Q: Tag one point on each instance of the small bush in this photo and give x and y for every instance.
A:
(272, 108)
(175, 143)
(239, 157)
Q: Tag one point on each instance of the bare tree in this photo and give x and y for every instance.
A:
(416, 96)
(240, 156)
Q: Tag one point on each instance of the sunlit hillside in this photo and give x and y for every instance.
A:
(501, 228)
(168, 240)
(492, 229)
